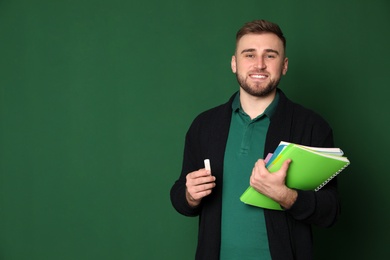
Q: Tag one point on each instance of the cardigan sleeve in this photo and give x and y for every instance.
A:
(296, 124)
(206, 138)
(178, 190)
(321, 208)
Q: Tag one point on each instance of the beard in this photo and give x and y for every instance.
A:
(256, 89)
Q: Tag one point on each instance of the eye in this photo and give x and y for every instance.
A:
(249, 55)
(270, 56)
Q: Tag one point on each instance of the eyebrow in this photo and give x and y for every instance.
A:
(248, 50)
(266, 50)
(272, 50)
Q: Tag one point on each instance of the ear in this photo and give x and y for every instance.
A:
(233, 64)
(285, 66)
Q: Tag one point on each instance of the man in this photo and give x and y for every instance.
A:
(235, 136)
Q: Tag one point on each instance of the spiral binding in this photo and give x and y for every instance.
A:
(330, 178)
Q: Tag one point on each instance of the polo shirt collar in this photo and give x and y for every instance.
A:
(269, 111)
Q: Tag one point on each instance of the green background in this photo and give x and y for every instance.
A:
(96, 97)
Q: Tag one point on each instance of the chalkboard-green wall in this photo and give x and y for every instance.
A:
(96, 97)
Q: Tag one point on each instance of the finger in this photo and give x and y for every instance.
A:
(201, 194)
(197, 178)
(285, 165)
(200, 191)
(198, 173)
(260, 163)
(259, 167)
(202, 181)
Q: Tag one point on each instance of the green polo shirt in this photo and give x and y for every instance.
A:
(244, 234)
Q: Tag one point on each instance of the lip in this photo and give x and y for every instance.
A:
(258, 76)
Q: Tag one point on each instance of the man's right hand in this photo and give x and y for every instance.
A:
(199, 185)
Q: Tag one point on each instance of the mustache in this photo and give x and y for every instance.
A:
(263, 71)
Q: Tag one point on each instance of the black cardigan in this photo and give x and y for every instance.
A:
(289, 232)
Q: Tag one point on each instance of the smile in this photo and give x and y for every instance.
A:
(258, 76)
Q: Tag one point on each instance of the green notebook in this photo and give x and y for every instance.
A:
(311, 168)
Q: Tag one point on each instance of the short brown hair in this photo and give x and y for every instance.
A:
(261, 26)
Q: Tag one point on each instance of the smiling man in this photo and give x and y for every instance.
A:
(259, 62)
(235, 137)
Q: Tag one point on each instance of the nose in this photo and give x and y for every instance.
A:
(260, 63)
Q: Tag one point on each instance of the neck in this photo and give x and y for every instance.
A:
(255, 106)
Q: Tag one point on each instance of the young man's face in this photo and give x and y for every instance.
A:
(259, 63)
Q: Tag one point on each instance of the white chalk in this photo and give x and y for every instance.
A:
(207, 164)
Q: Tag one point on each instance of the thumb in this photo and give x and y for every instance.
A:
(285, 165)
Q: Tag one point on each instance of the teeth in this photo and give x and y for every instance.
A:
(258, 76)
